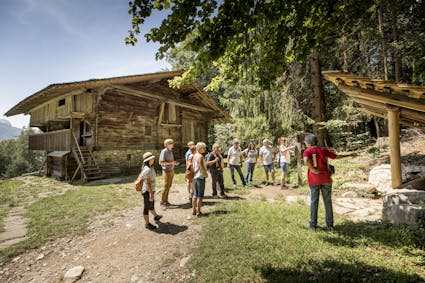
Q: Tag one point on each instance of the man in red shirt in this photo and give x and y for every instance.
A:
(319, 179)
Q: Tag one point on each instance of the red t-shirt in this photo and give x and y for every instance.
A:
(321, 154)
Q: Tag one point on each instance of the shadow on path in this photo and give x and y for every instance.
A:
(170, 228)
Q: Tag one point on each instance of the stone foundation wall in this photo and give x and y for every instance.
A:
(122, 162)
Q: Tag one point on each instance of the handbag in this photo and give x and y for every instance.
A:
(139, 183)
(331, 169)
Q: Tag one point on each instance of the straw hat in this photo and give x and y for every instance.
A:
(148, 156)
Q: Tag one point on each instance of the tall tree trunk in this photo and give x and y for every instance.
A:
(345, 55)
(319, 105)
(383, 42)
(397, 56)
(377, 128)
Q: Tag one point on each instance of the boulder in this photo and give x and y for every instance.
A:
(74, 274)
(380, 177)
(404, 207)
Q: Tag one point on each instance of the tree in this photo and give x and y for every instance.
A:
(253, 40)
(16, 158)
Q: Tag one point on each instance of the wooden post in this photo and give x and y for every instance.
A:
(394, 133)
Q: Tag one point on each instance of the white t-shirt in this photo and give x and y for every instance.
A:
(234, 156)
(284, 156)
(148, 172)
(266, 154)
(198, 161)
(251, 155)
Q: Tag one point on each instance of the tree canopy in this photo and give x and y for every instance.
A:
(245, 38)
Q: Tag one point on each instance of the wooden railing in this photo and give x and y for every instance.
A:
(57, 140)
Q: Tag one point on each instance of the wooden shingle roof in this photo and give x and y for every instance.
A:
(192, 93)
(375, 96)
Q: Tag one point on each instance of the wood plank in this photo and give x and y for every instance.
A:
(395, 153)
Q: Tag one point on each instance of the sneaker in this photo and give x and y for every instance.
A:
(273, 184)
(199, 214)
(150, 226)
(214, 196)
(168, 204)
(234, 186)
(194, 212)
(157, 218)
(222, 195)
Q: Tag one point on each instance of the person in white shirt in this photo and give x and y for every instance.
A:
(267, 154)
(234, 160)
(251, 154)
(200, 168)
(284, 160)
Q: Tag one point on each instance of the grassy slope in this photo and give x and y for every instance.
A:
(269, 242)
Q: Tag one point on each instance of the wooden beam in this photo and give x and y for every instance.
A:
(391, 99)
(395, 155)
(145, 94)
(170, 125)
(161, 113)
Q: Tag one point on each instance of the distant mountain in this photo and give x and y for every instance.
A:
(7, 131)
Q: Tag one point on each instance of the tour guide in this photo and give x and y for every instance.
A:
(166, 160)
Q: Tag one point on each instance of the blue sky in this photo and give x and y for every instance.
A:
(55, 41)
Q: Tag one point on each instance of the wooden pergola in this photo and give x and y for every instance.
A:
(399, 103)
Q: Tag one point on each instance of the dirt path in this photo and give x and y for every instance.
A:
(120, 249)
(15, 228)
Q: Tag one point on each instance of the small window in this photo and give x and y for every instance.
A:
(148, 130)
(61, 102)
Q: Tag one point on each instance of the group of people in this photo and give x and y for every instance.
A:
(267, 154)
(316, 159)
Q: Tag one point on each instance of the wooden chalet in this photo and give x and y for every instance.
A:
(91, 128)
(397, 102)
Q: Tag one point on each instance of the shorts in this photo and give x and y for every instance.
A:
(284, 166)
(199, 188)
(269, 168)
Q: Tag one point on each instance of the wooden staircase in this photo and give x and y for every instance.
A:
(88, 166)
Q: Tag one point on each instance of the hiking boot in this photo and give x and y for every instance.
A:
(150, 226)
(157, 217)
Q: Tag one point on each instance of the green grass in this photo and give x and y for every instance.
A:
(56, 216)
(263, 242)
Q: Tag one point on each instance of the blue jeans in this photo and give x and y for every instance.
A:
(232, 174)
(314, 204)
(199, 188)
(249, 172)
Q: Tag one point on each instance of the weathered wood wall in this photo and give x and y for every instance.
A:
(53, 111)
(128, 126)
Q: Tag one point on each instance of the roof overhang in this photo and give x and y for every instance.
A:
(58, 90)
(375, 96)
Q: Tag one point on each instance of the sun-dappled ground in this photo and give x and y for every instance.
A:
(257, 234)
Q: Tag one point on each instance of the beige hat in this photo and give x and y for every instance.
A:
(148, 156)
(235, 141)
(266, 141)
(168, 141)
